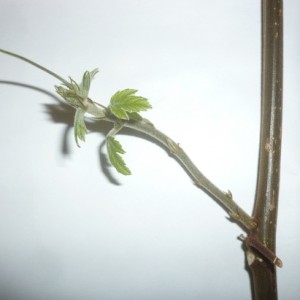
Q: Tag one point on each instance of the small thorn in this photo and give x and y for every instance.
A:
(242, 237)
(229, 194)
(278, 262)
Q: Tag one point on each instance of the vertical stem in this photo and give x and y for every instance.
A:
(266, 200)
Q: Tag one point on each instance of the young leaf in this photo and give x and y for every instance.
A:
(84, 87)
(80, 129)
(70, 96)
(113, 149)
(93, 73)
(124, 102)
(134, 116)
(75, 94)
(85, 84)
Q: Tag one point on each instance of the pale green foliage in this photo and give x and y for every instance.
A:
(70, 95)
(76, 94)
(126, 105)
(113, 150)
(84, 87)
(134, 116)
(80, 129)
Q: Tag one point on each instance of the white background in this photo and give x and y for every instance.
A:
(73, 228)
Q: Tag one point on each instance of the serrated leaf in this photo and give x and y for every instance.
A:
(119, 113)
(124, 102)
(80, 129)
(113, 149)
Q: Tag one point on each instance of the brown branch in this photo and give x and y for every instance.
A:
(266, 202)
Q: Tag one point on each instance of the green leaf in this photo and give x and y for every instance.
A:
(75, 94)
(113, 150)
(124, 102)
(134, 116)
(80, 129)
(70, 96)
(74, 87)
(85, 84)
(93, 73)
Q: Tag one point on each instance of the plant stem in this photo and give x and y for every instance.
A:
(261, 242)
(267, 190)
(36, 65)
(223, 198)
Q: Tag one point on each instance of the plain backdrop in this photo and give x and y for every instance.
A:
(73, 228)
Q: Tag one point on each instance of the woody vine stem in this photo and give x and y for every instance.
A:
(267, 190)
(123, 111)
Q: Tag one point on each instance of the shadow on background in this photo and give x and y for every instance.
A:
(61, 113)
